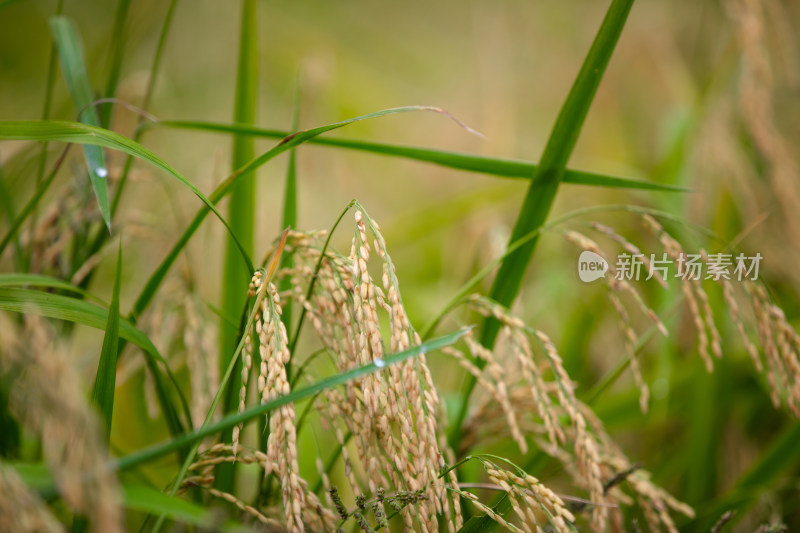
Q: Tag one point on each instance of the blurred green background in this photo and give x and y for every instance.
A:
(672, 108)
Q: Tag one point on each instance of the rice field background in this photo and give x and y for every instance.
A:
(315, 266)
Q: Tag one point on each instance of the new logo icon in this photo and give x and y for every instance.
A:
(591, 266)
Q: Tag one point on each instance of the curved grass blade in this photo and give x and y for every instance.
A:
(224, 188)
(106, 380)
(75, 132)
(70, 51)
(153, 452)
(39, 280)
(81, 312)
(509, 168)
(544, 184)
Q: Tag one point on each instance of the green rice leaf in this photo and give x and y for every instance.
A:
(551, 169)
(39, 280)
(70, 51)
(106, 380)
(546, 180)
(508, 168)
(72, 310)
(153, 452)
(241, 216)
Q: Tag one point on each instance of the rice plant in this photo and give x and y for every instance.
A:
(243, 346)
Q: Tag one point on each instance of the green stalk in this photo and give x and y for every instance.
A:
(546, 179)
(241, 215)
(106, 379)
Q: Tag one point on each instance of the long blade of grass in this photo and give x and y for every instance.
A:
(71, 310)
(15, 279)
(241, 214)
(544, 184)
(509, 168)
(70, 51)
(286, 144)
(106, 379)
(153, 452)
(81, 312)
(74, 132)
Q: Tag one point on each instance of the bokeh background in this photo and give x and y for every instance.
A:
(702, 95)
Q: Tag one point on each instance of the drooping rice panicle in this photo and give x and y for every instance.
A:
(49, 400)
